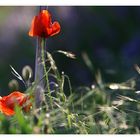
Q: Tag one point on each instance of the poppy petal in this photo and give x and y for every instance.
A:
(8, 103)
(36, 27)
(55, 28)
(42, 25)
(6, 110)
(45, 18)
(14, 98)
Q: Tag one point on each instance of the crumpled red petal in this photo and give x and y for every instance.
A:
(42, 25)
(8, 103)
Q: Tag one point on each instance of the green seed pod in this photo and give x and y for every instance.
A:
(27, 73)
(13, 85)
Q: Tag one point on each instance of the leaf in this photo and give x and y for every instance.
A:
(15, 73)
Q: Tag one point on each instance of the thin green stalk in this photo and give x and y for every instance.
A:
(43, 45)
(69, 121)
(58, 77)
(60, 81)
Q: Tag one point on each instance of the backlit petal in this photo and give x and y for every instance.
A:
(8, 103)
(42, 25)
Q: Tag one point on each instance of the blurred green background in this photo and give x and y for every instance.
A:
(108, 36)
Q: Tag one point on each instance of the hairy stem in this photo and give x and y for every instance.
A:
(43, 45)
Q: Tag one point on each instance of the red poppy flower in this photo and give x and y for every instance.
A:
(8, 103)
(42, 25)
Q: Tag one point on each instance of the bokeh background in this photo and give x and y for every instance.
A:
(108, 36)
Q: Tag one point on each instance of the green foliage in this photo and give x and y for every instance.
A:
(111, 108)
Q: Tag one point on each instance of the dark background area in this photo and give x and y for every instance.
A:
(109, 36)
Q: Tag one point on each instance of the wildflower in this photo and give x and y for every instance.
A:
(8, 103)
(42, 25)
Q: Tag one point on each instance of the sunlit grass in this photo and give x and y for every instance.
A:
(102, 108)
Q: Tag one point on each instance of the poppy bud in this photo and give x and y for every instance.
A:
(27, 73)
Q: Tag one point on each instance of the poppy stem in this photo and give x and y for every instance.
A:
(43, 45)
(41, 74)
